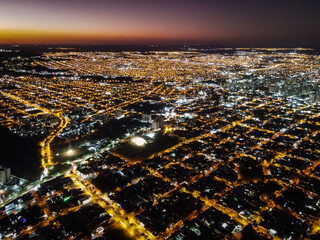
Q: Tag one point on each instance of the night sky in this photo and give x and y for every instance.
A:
(242, 22)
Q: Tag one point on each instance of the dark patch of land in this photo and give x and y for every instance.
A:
(135, 153)
(22, 155)
(114, 234)
(146, 107)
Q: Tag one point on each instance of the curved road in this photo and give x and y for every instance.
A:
(46, 158)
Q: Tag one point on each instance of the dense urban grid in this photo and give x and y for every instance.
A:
(189, 144)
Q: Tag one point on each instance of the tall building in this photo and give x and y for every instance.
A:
(5, 175)
(158, 122)
(2, 177)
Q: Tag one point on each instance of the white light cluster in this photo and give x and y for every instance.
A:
(139, 141)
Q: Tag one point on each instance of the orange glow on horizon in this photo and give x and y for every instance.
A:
(57, 37)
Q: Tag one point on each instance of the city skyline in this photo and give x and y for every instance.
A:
(160, 22)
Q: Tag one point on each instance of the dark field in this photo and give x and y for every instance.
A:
(22, 155)
(136, 153)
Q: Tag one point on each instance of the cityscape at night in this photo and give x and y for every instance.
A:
(177, 120)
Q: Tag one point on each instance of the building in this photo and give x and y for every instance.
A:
(5, 175)
(158, 122)
(146, 117)
(118, 114)
(183, 98)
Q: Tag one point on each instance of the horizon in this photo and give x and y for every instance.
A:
(165, 46)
